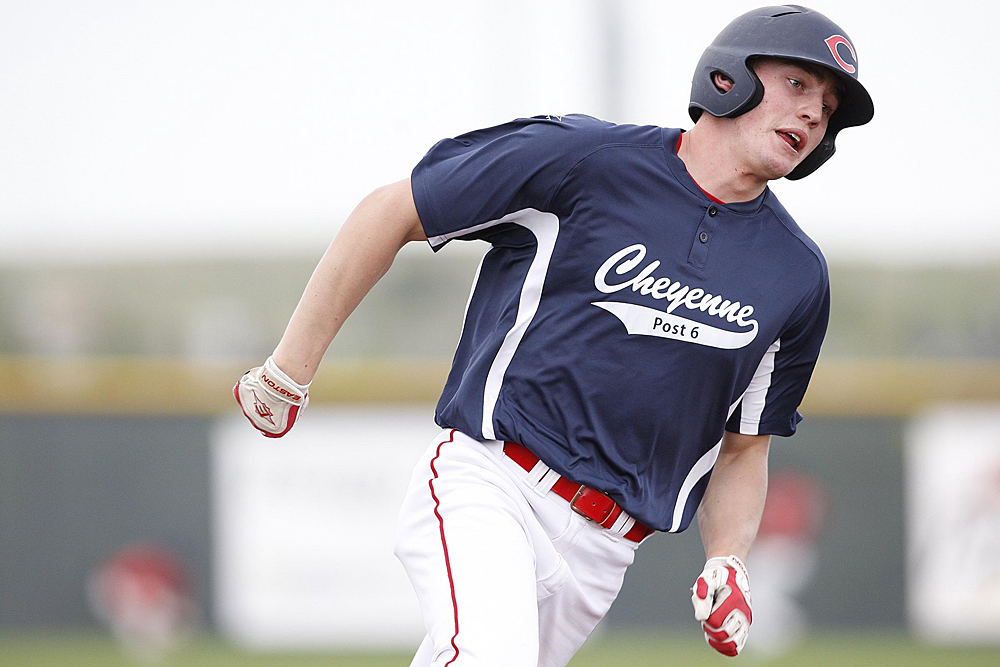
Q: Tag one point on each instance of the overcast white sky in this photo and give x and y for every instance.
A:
(142, 129)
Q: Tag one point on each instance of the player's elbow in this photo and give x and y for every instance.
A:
(738, 443)
(393, 206)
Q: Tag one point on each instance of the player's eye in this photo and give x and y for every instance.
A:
(795, 82)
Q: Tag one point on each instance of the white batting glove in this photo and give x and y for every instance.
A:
(721, 599)
(270, 399)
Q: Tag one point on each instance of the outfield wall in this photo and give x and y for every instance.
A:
(77, 487)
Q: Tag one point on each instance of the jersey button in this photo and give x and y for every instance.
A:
(703, 237)
(712, 211)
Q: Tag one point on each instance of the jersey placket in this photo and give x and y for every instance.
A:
(698, 255)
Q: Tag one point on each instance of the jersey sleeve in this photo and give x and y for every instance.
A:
(465, 185)
(770, 404)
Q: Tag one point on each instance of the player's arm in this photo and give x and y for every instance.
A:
(730, 512)
(358, 257)
(728, 518)
(273, 395)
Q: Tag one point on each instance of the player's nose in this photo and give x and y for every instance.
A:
(811, 109)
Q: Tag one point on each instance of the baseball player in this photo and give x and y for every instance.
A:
(646, 317)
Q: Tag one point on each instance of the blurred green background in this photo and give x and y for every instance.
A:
(637, 650)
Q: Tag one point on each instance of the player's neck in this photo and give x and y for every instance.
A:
(715, 166)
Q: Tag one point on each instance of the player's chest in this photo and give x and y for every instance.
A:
(701, 277)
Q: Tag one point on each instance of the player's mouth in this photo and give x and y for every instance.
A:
(794, 139)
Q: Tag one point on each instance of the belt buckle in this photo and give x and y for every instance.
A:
(588, 495)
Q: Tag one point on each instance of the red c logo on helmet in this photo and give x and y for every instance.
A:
(833, 42)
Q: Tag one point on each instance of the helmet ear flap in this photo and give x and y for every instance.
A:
(755, 97)
(816, 158)
(746, 92)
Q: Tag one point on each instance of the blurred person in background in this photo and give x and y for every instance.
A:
(144, 596)
(784, 558)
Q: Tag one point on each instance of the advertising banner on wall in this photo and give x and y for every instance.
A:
(303, 529)
(953, 524)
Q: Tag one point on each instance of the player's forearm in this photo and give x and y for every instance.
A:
(358, 257)
(731, 509)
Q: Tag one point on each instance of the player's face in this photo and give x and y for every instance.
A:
(791, 119)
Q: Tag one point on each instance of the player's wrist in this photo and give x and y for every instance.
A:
(276, 383)
(730, 560)
(292, 366)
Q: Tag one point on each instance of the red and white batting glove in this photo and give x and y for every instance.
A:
(270, 399)
(721, 599)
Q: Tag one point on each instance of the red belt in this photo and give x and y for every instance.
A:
(584, 500)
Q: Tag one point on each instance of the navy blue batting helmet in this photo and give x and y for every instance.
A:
(794, 33)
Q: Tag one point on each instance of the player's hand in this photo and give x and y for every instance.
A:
(270, 399)
(721, 599)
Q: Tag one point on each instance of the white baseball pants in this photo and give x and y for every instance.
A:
(507, 575)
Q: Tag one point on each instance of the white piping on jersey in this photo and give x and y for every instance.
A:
(699, 470)
(758, 391)
(545, 227)
(475, 283)
(436, 241)
(472, 292)
(756, 394)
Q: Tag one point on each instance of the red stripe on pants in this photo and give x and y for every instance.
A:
(444, 544)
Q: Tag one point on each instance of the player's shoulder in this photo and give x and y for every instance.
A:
(575, 132)
(801, 239)
(604, 133)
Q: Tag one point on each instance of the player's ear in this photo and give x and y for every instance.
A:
(722, 82)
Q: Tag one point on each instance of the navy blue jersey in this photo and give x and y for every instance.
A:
(621, 320)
